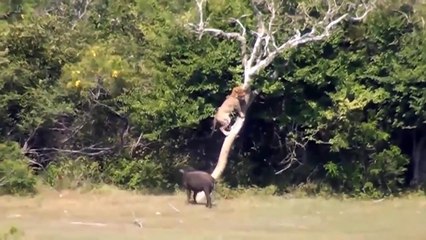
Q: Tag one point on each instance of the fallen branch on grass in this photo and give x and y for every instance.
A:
(174, 208)
(136, 221)
(89, 224)
(378, 200)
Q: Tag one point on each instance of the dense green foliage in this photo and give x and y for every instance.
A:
(15, 175)
(120, 92)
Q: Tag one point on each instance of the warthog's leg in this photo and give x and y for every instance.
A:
(195, 197)
(188, 195)
(208, 198)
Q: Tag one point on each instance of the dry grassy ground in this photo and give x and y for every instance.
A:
(49, 216)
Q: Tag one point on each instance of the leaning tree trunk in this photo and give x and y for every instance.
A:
(227, 144)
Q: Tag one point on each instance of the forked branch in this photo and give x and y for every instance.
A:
(300, 27)
(200, 29)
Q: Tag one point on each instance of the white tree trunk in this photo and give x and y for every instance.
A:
(227, 145)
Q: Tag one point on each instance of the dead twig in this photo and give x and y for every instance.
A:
(89, 224)
(137, 221)
(293, 142)
(80, 13)
(88, 151)
(174, 208)
(378, 200)
(136, 144)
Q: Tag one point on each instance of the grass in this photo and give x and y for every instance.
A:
(49, 215)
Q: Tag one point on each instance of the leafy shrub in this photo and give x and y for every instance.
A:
(135, 174)
(387, 169)
(16, 178)
(10, 150)
(310, 189)
(382, 173)
(223, 190)
(72, 173)
(15, 175)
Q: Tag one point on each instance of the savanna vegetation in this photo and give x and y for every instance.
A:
(123, 93)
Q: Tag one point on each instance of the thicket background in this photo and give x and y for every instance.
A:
(119, 92)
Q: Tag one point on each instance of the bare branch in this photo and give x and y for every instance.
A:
(81, 12)
(272, 10)
(265, 47)
(260, 34)
(200, 30)
(136, 220)
(359, 18)
(242, 40)
(26, 147)
(126, 129)
(136, 144)
(200, 4)
(3, 181)
(244, 31)
(74, 132)
(36, 163)
(327, 24)
(296, 140)
(88, 151)
(96, 224)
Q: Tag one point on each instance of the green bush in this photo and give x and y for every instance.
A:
(387, 169)
(135, 174)
(382, 173)
(224, 191)
(15, 175)
(10, 150)
(72, 173)
(16, 178)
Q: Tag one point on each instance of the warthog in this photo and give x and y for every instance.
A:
(197, 181)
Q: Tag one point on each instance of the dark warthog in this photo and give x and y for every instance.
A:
(197, 181)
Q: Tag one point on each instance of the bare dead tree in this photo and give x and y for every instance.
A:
(73, 10)
(273, 22)
(295, 141)
(26, 147)
(80, 10)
